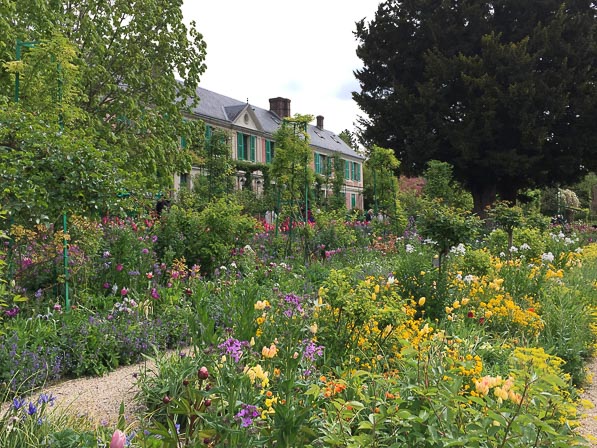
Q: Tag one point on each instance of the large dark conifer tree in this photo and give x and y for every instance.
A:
(504, 90)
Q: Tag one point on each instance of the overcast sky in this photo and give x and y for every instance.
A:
(302, 50)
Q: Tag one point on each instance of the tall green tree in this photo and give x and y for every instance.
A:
(503, 90)
(130, 55)
(381, 182)
(439, 184)
(50, 162)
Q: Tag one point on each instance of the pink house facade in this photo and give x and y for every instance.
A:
(251, 128)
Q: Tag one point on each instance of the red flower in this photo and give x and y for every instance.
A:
(203, 373)
(471, 314)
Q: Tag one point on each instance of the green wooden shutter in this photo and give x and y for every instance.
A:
(253, 143)
(357, 170)
(346, 169)
(240, 146)
(268, 151)
(208, 132)
(353, 200)
(183, 142)
(317, 163)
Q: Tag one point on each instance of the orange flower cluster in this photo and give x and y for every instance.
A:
(332, 387)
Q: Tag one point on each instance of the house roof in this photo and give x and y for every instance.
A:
(225, 109)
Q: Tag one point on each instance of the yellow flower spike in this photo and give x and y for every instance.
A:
(422, 301)
(376, 289)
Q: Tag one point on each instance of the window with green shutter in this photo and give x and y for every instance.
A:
(240, 146)
(253, 144)
(184, 180)
(183, 142)
(269, 151)
(346, 169)
(353, 200)
(355, 171)
(317, 159)
(208, 132)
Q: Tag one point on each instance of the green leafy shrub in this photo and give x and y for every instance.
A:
(473, 262)
(205, 238)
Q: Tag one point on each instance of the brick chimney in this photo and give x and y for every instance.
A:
(320, 122)
(280, 106)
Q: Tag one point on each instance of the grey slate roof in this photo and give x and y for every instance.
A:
(233, 111)
(222, 108)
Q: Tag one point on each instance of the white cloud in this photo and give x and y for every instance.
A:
(304, 51)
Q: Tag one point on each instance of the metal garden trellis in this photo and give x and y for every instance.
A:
(19, 45)
(299, 129)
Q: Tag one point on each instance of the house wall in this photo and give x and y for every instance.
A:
(352, 187)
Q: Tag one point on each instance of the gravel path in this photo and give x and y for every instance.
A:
(589, 422)
(99, 398)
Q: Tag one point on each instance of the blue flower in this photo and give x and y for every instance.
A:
(32, 409)
(45, 398)
(18, 403)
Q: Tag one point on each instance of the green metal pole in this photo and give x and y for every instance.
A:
(278, 209)
(60, 84)
(65, 257)
(375, 190)
(306, 195)
(306, 247)
(20, 44)
(11, 243)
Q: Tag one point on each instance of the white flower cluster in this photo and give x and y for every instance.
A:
(458, 250)
(469, 278)
(126, 306)
(548, 257)
(557, 237)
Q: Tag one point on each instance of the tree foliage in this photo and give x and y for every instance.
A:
(380, 180)
(50, 162)
(504, 91)
(128, 55)
(439, 183)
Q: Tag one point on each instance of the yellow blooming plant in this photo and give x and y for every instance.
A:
(368, 321)
(257, 375)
